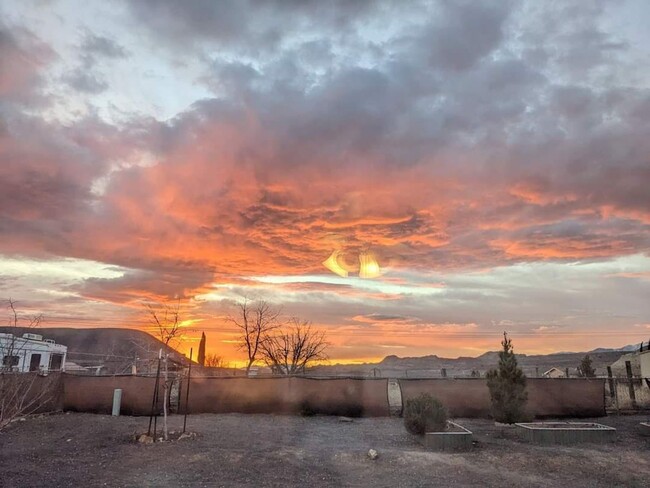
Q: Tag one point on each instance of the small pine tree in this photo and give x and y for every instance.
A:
(201, 356)
(586, 370)
(507, 385)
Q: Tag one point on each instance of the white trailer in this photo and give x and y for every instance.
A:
(31, 353)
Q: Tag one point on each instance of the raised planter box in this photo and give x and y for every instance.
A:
(566, 432)
(455, 438)
(645, 428)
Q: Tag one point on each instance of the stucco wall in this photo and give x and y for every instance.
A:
(644, 360)
(547, 397)
(95, 393)
(340, 396)
(463, 397)
(289, 395)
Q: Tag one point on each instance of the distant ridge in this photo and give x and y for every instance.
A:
(628, 348)
(432, 365)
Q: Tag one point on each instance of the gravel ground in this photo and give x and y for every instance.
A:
(271, 450)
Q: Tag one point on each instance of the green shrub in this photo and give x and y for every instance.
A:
(424, 413)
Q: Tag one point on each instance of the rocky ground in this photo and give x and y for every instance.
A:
(266, 451)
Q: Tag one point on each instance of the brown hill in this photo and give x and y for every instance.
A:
(115, 350)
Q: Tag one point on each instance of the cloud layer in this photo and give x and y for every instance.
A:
(446, 138)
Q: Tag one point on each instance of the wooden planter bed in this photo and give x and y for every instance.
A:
(566, 432)
(645, 428)
(455, 438)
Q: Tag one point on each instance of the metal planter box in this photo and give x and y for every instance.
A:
(457, 438)
(566, 432)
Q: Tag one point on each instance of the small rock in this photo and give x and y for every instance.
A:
(345, 419)
(68, 440)
(145, 439)
(372, 454)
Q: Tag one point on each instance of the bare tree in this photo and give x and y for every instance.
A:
(214, 361)
(20, 393)
(291, 350)
(11, 347)
(166, 320)
(167, 323)
(255, 321)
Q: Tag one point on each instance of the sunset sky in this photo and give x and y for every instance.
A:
(493, 158)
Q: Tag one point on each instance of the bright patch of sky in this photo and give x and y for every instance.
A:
(62, 269)
(146, 82)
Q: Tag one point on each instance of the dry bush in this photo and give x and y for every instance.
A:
(424, 413)
(26, 393)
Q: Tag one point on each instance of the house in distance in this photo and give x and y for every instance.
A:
(554, 373)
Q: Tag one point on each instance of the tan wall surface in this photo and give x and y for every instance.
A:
(42, 393)
(547, 397)
(571, 397)
(289, 395)
(340, 396)
(95, 393)
(644, 360)
(462, 397)
(221, 395)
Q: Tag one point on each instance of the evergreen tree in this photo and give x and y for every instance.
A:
(201, 356)
(507, 385)
(586, 370)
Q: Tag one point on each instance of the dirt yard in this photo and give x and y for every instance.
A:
(266, 450)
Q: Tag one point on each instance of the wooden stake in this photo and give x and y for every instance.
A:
(153, 400)
(630, 383)
(187, 392)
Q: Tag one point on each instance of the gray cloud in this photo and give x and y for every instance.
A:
(252, 26)
(22, 59)
(85, 81)
(94, 46)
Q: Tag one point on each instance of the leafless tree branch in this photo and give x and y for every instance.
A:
(291, 350)
(255, 320)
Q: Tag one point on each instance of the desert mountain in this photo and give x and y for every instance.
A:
(432, 366)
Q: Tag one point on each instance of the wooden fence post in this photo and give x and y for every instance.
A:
(612, 387)
(628, 369)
